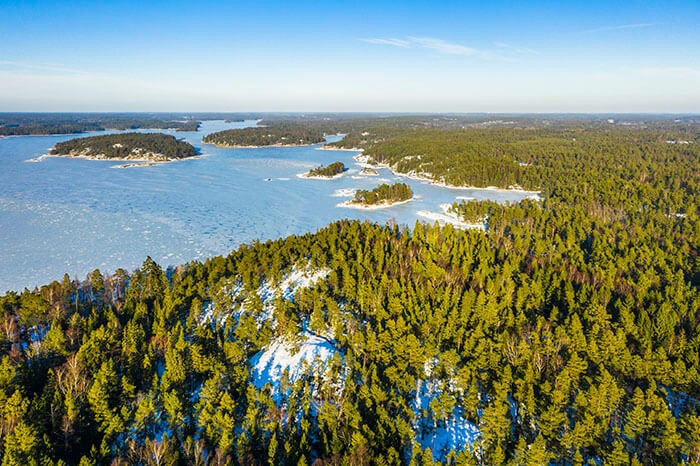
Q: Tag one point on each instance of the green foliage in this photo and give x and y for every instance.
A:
(383, 193)
(568, 332)
(151, 146)
(15, 124)
(277, 135)
(537, 342)
(332, 169)
(609, 170)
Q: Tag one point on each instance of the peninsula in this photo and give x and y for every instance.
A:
(149, 147)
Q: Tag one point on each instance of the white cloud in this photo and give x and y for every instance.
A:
(430, 43)
(395, 42)
(442, 46)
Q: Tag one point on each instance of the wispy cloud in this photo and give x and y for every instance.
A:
(445, 47)
(621, 27)
(394, 42)
(430, 43)
(53, 67)
(516, 49)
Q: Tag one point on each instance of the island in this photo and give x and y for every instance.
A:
(273, 136)
(144, 147)
(334, 170)
(380, 197)
(369, 172)
(26, 124)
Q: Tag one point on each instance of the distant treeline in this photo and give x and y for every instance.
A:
(396, 192)
(333, 169)
(21, 124)
(126, 145)
(279, 135)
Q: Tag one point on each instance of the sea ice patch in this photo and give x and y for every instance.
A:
(344, 192)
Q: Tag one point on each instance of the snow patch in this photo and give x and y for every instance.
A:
(296, 279)
(233, 295)
(441, 435)
(268, 365)
(448, 216)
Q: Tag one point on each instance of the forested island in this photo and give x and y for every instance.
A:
(383, 195)
(279, 135)
(567, 332)
(153, 147)
(332, 170)
(23, 124)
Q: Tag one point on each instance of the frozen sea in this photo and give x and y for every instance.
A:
(72, 215)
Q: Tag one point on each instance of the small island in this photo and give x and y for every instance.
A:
(273, 136)
(380, 197)
(334, 170)
(143, 147)
(369, 172)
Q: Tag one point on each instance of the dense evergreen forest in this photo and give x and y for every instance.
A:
(566, 333)
(329, 123)
(335, 168)
(609, 168)
(151, 146)
(22, 124)
(277, 135)
(383, 193)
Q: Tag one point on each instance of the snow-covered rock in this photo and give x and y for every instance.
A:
(233, 297)
(268, 365)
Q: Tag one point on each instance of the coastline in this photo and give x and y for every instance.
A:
(384, 205)
(137, 164)
(82, 133)
(237, 146)
(326, 147)
(133, 162)
(450, 217)
(321, 177)
(363, 161)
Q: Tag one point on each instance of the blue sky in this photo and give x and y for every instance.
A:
(406, 56)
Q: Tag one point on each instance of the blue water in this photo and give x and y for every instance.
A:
(72, 215)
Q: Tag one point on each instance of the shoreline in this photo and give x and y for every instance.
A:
(125, 130)
(326, 147)
(384, 205)
(134, 162)
(364, 159)
(448, 217)
(321, 177)
(237, 146)
(366, 172)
